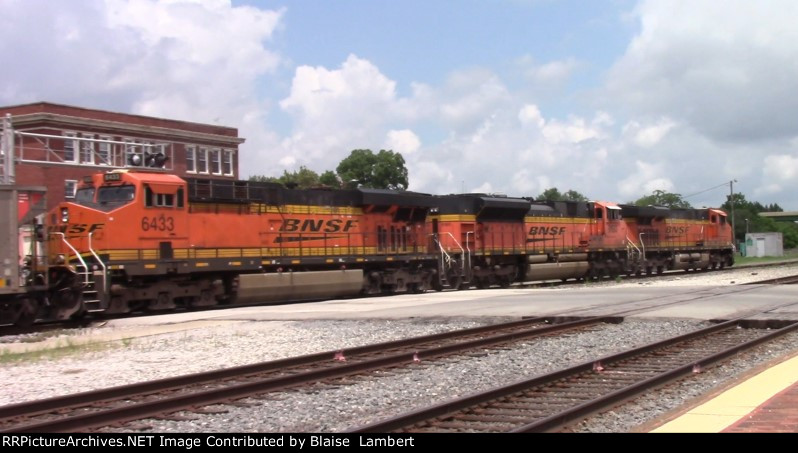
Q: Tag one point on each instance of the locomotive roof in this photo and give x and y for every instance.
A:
(664, 212)
(484, 206)
(559, 209)
(222, 191)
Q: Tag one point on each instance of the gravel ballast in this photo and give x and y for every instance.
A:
(332, 408)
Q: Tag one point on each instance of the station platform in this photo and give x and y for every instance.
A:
(765, 403)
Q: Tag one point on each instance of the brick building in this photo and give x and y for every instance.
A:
(57, 145)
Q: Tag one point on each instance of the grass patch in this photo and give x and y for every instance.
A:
(788, 254)
(63, 348)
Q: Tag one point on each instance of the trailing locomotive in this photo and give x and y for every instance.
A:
(139, 240)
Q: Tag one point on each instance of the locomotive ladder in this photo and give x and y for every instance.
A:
(447, 262)
(91, 300)
(634, 253)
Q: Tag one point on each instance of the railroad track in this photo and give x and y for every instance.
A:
(788, 280)
(554, 400)
(118, 405)
(90, 410)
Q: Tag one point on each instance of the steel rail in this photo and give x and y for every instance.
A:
(449, 408)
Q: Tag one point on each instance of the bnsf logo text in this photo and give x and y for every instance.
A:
(676, 230)
(317, 226)
(76, 228)
(552, 231)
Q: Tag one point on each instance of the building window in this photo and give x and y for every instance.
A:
(216, 161)
(70, 186)
(69, 147)
(191, 153)
(227, 162)
(87, 150)
(104, 151)
(202, 160)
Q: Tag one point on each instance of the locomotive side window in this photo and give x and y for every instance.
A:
(162, 200)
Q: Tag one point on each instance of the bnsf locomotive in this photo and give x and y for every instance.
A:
(138, 240)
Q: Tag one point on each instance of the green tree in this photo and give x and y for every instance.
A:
(329, 178)
(553, 194)
(748, 220)
(303, 178)
(663, 198)
(384, 170)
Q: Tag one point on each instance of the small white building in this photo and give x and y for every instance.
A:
(764, 244)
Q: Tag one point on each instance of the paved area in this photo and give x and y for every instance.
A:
(767, 402)
(710, 302)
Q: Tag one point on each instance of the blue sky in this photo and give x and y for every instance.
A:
(613, 99)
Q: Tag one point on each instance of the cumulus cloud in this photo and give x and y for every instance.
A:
(702, 93)
(183, 59)
(647, 136)
(404, 142)
(647, 178)
(726, 68)
(336, 110)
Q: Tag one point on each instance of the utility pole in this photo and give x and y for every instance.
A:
(731, 202)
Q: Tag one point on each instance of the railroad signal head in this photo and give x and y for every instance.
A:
(155, 160)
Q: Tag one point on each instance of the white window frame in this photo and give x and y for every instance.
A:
(104, 155)
(191, 156)
(202, 156)
(70, 183)
(87, 149)
(215, 161)
(71, 139)
(228, 156)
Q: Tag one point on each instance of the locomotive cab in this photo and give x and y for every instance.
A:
(131, 217)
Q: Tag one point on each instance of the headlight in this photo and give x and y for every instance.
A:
(64, 215)
(60, 259)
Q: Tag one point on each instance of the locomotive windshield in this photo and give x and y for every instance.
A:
(85, 196)
(116, 194)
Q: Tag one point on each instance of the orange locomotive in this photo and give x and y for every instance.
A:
(143, 240)
(527, 240)
(679, 238)
(137, 240)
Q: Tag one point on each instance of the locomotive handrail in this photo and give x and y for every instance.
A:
(643, 244)
(80, 258)
(97, 257)
(458, 245)
(469, 255)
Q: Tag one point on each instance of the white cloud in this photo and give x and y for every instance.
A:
(646, 179)
(726, 68)
(335, 111)
(404, 142)
(182, 59)
(648, 136)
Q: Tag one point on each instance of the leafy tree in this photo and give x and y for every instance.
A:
(329, 178)
(303, 178)
(749, 210)
(553, 194)
(384, 170)
(663, 198)
(573, 195)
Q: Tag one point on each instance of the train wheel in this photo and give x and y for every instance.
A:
(27, 313)
(455, 280)
(660, 270)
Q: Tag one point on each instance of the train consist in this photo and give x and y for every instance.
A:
(139, 240)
